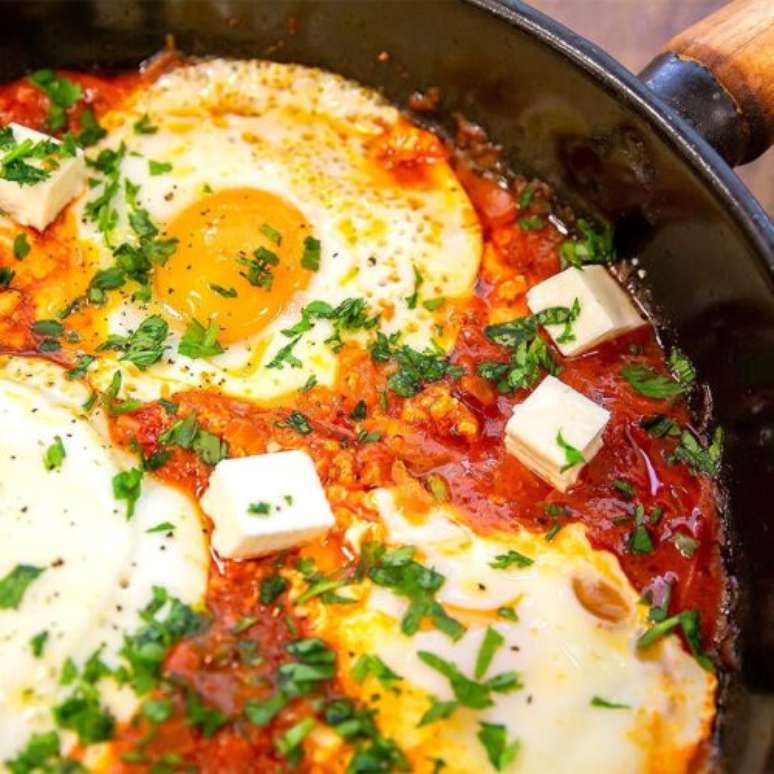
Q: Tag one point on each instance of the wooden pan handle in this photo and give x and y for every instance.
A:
(728, 58)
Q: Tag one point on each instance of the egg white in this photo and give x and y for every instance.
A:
(564, 653)
(301, 134)
(99, 567)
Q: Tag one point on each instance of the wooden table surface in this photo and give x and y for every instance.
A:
(633, 31)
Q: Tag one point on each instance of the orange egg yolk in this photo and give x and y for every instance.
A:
(237, 262)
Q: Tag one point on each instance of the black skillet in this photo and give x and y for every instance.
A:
(568, 113)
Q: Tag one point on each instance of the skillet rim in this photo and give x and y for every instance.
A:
(690, 147)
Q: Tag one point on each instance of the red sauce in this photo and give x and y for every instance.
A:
(489, 485)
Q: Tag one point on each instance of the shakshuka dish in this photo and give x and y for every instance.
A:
(329, 443)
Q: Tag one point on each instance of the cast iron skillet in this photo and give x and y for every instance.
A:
(566, 112)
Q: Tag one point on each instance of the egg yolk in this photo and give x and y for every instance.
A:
(237, 262)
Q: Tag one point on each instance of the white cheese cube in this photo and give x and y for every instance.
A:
(265, 503)
(37, 204)
(606, 311)
(532, 432)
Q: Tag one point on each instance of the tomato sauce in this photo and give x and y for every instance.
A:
(453, 429)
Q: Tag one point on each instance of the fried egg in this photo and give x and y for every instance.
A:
(238, 157)
(94, 569)
(589, 700)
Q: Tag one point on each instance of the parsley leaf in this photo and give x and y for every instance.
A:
(491, 642)
(598, 701)
(79, 370)
(21, 247)
(61, 92)
(371, 664)
(221, 291)
(504, 561)
(438, 710)
(689, 621)
(648, 382)
(572, 455)
(411, 301)
(259, 272)
(310, 258)
(682, 369)
(271, 234)
(15, 583)
(592, 247)
(398, 571)
(127, 485)
(271, 587)
(38, 643)
(466, 691)
(697, 457)
(198, 715)
(200, 342)
(158, 167)
(143, 125)
(494, 738)
(298, 422)
(144, 346)
(55, 455)
(6, 275)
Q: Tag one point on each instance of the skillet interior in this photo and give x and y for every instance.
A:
(696, 231)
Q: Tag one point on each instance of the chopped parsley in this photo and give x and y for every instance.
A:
(660, 426)
(21, 246)
(110, 397)
(530, 355)
(14, 584)
(592, 247)
(78, 371)
(648, 382)
(598, 701)
(284, 355)
(685, 544)
(61, 92)
(310, 258)
(38, 643)
(55, 455)
(509, 559)
(166, 620)
(200, 342)
(127, 485)
(187, 434)
(431, 304)
(259, 268)
(438, 710)
(207, 720)
(271, 587)
(572, 456)
(289, 744)
(411, 301)
(298, 422)
(350, 315)
(157, 710)
(143, 125)
(6, 275)
(91, 132)
(164, 526)
(490, 644)
(690, 623)
(414, 369)
(358, 414)
(397, 570)
(700, 459)
(159, 167)
(370, 664)
(500, 751)
(532, 223)
(221, 291)
(682, 369)
(259, 509)
(145, 345)
(271, 234)
(624, 488)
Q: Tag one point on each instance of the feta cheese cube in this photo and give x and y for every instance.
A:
(532, 434)
(37, 204)
(265, 503)
(606, 311)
